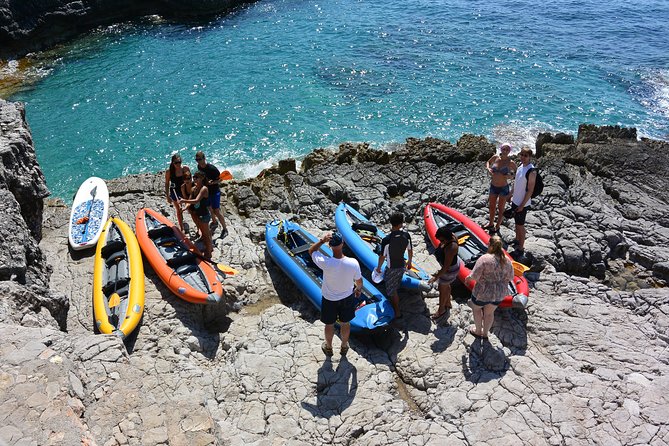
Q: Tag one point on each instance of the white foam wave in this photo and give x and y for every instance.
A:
(655, 94)
(519, 134)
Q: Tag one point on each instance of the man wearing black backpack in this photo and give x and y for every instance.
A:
(522, 193)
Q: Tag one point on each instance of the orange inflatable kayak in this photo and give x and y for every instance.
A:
(176, 260)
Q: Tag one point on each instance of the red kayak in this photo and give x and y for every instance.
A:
(473, 241)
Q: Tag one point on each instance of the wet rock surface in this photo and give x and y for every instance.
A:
(586, 363)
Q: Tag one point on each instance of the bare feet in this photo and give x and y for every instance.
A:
(475, 333)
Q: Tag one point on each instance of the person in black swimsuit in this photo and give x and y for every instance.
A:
(173, 182)
(447, 256)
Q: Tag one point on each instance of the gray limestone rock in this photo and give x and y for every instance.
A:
(251, 370)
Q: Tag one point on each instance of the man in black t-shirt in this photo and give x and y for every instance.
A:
(212, 174)
(393, 247)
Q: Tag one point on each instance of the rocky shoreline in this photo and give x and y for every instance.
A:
(586, 363)
(27, 26)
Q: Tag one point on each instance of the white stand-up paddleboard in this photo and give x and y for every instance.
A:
(89, 213)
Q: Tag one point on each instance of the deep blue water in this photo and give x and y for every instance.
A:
(281, 77)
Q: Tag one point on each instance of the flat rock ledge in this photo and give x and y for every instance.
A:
(586, 363)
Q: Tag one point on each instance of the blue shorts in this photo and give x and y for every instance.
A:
(343, 310)
(215, 199)
(502, 191)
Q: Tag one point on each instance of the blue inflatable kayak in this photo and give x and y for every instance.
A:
(288, 245)
(364, 240)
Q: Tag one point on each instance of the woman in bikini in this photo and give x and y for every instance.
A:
(200, 204)
(501, 168)
(447, 256)
(493, 272)
(173, 181)
(187, 191)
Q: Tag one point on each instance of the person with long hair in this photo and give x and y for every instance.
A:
(492, 272)
(501, 168)
(187, 192)
(173, 182)
(200, 206)
(447, 256)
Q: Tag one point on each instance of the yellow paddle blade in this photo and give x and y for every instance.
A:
(518, 268)
(227, 269)
(114, 300)
(463, 239)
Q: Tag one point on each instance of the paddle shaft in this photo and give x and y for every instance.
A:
(94, 192)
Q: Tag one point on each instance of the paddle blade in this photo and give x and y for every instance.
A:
(519, 269)
(463, 239)
(228, 270)
(114, 300)
(225, 175)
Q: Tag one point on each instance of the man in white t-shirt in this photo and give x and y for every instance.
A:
(342, 285)
(522, 198)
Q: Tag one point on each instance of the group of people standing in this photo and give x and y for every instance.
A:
(199, 194)
(502, 168)
(342, 278)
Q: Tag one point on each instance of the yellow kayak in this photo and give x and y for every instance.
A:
(118, 280)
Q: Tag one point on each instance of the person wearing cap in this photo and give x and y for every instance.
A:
(393, 247)
(521, 198)
(501, 169)
(212, 174)
(342, 285)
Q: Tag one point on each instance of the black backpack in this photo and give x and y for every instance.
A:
(538, 182)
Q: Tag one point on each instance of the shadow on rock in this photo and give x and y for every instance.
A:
(192, 316)
(510, 327)
(288, 293)
(485, 362)
(77, 255)
(445, 335)
(335, 389)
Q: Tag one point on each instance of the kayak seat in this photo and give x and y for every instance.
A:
(186, 269)
(456, 227)
(166, 240)
(160, 231)
(115, 258)
(112, 247)
(117, 286)
(182, 258)
(364, 227)
(117, 270)
(300, 249)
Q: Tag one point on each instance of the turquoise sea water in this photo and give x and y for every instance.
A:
(281, 77)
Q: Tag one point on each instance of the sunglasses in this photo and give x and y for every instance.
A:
(198, 158)
(524, 155)
(177, 162)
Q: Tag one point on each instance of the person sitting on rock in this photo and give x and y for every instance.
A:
(521, 199)
(201, 209)
(212, 175)
(447, 256)
(501, 168)
(342, 285)
(492, 273)
(393, 247)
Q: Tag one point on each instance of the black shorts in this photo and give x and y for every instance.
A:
(519, 217)
(342, 310)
